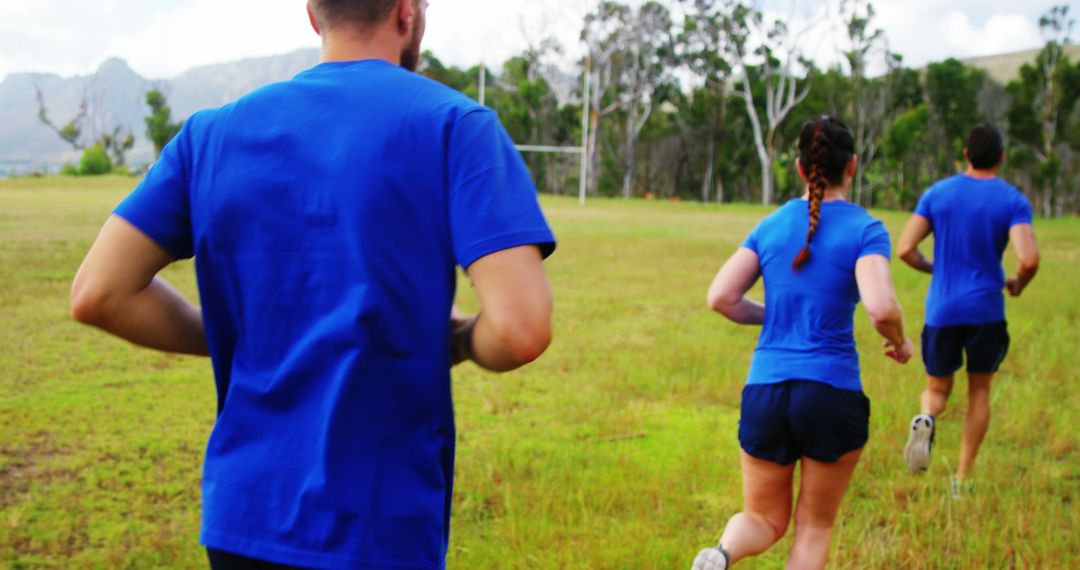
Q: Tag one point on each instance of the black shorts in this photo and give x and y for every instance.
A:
(783, 422)
(221, 560)
(943, 348)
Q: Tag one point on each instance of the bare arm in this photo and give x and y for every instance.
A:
(907, 249)
(1023, 239)
(513, 327)
(874, 278)
(117, 290)
(727, 294)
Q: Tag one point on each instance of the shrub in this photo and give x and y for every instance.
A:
(95, 161)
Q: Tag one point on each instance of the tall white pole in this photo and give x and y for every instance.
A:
(483, 82)
(585, 132)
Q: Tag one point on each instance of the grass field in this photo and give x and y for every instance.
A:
(616, 450)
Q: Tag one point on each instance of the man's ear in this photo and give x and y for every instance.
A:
(852, 166)
(799, 166)
(311, 17)
(406, 16)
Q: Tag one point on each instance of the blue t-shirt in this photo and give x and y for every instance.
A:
(970, 219)
(326, 215)
(809, 313)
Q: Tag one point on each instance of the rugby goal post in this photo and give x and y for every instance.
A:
(579, 150)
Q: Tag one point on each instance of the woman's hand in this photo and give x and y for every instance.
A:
(901, 352)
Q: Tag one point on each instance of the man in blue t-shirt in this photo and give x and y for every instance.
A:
(326, 216)
(973, 216)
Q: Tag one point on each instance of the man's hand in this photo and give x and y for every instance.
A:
(1022, 237)
(901, 353)
(915, 231)
(1012, 285)
(461, 330)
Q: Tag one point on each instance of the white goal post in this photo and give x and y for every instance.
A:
(579, 150)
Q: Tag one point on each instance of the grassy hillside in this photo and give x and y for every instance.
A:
(616, 450)
(1005, 67)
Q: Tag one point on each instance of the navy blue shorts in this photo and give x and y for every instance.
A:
(221, 560)
(943, 348)
(802, 418)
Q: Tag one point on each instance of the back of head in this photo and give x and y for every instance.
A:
(352, 13)
(825, 150)
(984, 147)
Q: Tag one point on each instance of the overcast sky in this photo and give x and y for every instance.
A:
(161, 38)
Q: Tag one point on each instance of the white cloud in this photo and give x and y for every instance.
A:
(931, 30)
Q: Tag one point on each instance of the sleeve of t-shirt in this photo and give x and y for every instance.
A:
(751, 242)
(160, 206)
(1021, 210)
(923, 207)
(493, 202)
(875, 240)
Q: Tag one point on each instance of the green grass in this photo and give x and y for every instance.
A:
(616, 450)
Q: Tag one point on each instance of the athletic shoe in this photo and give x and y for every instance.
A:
(715, 558)
(920, 441)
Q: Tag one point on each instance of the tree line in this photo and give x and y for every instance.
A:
(703, 100)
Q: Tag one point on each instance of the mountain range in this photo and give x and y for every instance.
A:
(116, 95)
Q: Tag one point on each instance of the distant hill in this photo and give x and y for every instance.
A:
(1004, 68)
(120, 93)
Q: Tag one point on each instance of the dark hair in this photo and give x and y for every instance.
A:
(984, 147)
(356, 12)
(825, 150)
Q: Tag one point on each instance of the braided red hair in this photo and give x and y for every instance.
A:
(816, 182)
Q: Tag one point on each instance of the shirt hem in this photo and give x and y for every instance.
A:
(297, 557)
(855, 386)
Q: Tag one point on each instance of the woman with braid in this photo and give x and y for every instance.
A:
(803, 403)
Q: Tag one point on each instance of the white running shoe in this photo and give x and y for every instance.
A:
(711, 559)
(920, 441)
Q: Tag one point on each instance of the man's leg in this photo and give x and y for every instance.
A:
(936, 395)
(943, 354)
(986, 347)
(977, 421)
(922, 429)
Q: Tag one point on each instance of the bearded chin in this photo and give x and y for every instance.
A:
(410, 56)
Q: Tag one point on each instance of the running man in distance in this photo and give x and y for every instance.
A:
(973, 216)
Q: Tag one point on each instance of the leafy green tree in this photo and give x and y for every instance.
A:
(452, 77)
(604, 33)
(645, 78)
(116, 144)
(904, 150)
(1042, 118)
(160, 128)
(772, 88)
(952, 91)
(707, 37)
(871, 106)
(72, 131)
